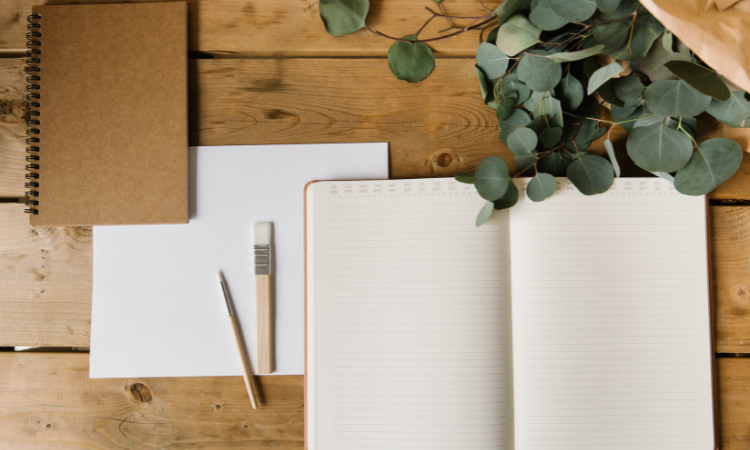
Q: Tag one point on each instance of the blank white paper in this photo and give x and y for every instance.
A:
(408, 318)
(158, 310)
(611, 337)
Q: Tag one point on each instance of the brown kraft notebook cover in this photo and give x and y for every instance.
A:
(108, 114)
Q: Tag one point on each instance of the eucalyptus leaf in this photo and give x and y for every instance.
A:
(534, 103)
(582, 134)
(628, 89)
(612, 35)
(511, 83)
(492, 37)
(658, 148)
(541, 186)
(492, 178)
(539, 124)
(343, 16)
(575, 56)
(550, 137)
(591, 65)
(509, 199)
(645, 31)
(491, 60)
(484, 86)
(506, 105)
(733, 112)
(570, 92)
(485, 213)
(602, 75)
(574, 10)
(714, 163)
(607, 93)
(627, 117)
(653, 64)
(517, 119)
(648, 121)
(467, 178)
(524, 162)
(612, 158)
(553, 163)
(538, 72)
(552, 107)
(675, 98)
(598, 132)
(664, 176)
(607, 6)
(667, 41)
(704, 80)
(591, 174)
(516, 35)
(411, 62)
(543, 16)
(510, 7)
(522, 141)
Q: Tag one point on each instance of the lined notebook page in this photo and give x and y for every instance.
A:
(407, 320)
(611, 319)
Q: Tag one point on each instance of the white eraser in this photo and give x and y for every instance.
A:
(262, 233)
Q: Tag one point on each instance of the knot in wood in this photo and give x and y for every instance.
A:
(444, 160)
(743, 292)
(140, 393)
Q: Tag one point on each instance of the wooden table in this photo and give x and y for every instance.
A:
(266, 72)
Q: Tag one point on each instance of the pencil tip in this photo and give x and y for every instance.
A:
(221, 276)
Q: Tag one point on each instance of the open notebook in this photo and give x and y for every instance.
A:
(574, 323)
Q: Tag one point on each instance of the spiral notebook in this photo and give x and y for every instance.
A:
(107, 120)
(575, 323)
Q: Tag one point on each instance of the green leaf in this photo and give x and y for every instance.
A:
(511, 83)
(574, 10)
(553, 163)
(485, 213)
(628, 89)
(491, 60)
(509, 199)
(575, 56)
(522, 141)
(667, 41)
(675, 98)
(602, 75)
(653, 64)
(590, 65)
(583, 135)
(506, 106)
(733, 112)
(607, 92)
(510, 7)
(492, 178)
(534, 103)
(714, 163)
(598, 132)
(543, 16)
(570, 92)
(591, 174)
(645, 31)
(607, 6)
(664, 176)
(524, 162)
(658, 148)
(517, 119)
(411, 62)
(612, 159)
(484, 86)
(343, 16)
(492, 37)
(625, 116)
(704, 80)
(550, 137)
(539, 124)
(623, 9)
(467, 178)
(553, 108)
(516, 35)
(538, 72)
(611, 35)
(541, 186)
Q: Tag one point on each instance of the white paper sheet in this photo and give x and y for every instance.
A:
(157, 306)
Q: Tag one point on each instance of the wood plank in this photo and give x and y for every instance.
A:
(49, 402)
(12, 128)
(730, 253)
(734, 401)
(45, 282)
(283, 27)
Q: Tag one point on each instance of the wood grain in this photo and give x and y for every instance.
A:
(12, 128)
(264, 324)
(45, 282)
(49, 402)
(283, 27)
(730, 248)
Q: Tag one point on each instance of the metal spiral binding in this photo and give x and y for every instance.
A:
(32, 110)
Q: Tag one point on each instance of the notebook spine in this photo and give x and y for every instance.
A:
(33, 79)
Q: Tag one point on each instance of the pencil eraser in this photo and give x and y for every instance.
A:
(262, 233)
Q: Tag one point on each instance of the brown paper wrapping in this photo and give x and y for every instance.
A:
(716, 30)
